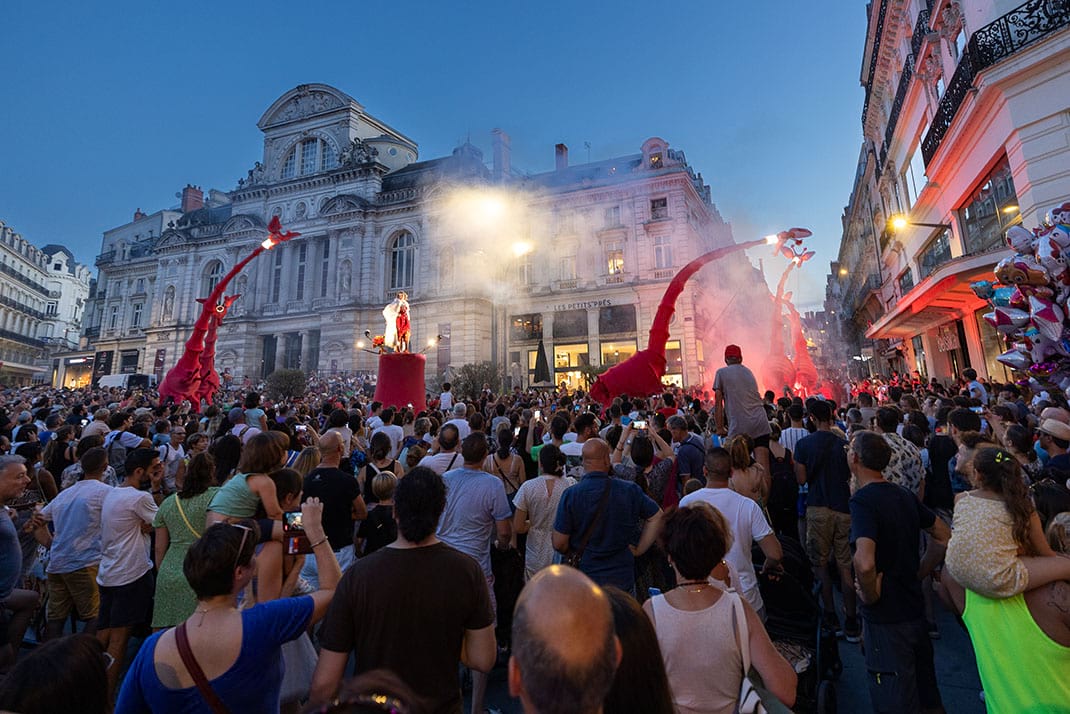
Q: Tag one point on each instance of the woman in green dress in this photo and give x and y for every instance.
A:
(180, 521)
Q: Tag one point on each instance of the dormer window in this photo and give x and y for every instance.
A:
(308, 157)
(655, 160)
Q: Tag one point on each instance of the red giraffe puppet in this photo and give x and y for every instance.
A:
(777, 371)
(209, 377)
(640, 375)
(183, 381)
(805, 370)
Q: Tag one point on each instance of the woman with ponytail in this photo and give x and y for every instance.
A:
(998, 548)
(748, 477)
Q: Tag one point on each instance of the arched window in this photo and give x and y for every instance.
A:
(402, 261)
(308, 157)
(213, 273)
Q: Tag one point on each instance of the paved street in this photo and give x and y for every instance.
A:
(956, 672)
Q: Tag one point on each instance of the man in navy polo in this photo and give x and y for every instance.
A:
(609, 556)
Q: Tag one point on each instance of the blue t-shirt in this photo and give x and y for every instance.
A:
(827, 474)
(252, 683)
(10, 554)
(475, 502)
(690, 458)
(606, 559)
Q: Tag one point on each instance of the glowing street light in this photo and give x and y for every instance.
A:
(521, 248)
(899, 221)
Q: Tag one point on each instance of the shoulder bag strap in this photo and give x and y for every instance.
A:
(594, 523)
(210, 697)
(739, 619)
(178, 503)
(505, 478)
(450, 464)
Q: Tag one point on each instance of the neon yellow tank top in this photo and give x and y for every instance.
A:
(1005, 637)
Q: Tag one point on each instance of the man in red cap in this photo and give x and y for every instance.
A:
(739, 408)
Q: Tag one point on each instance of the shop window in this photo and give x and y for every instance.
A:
(674, 358)
(525, 327)
(989, 211)
(570, 323)
(616, 352)
(935, 254)
(570, 356)
(616, 318)
(991, 347)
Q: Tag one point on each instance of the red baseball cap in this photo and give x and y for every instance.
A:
(733, 352)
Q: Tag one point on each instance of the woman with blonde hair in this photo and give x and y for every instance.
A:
(307, 460)
(748, 477)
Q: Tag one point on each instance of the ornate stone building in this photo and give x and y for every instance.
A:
(43, 294)
(965, 123)
(582, 270)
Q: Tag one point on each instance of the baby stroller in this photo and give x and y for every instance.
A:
(795, 623)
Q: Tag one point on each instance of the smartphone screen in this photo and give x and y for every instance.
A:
(297, 543)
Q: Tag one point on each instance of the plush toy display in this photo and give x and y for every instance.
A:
(193, 376)
(640, 375)
(1029, 302)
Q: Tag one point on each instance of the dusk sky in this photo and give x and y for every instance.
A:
(109, 107)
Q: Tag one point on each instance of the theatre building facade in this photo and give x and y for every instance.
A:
(610, 236)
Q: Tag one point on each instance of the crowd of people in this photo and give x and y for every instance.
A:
(332, 553)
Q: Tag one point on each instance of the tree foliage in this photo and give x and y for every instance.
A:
(468, 379)
(286, 384)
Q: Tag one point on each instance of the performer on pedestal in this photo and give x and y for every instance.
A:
(398, 327)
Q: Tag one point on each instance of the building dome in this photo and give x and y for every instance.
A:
(393, 152)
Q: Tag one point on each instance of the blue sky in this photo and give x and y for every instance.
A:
(113, 106)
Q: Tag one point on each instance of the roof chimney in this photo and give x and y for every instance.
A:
(192, 198)
(502, 152)
(138, 215)
(561, 157)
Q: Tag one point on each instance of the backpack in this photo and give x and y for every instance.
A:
(117, 456)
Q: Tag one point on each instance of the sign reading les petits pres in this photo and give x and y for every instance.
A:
(584, 305)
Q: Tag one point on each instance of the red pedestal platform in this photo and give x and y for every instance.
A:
(401, 380)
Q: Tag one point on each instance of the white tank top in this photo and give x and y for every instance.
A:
(702, 660)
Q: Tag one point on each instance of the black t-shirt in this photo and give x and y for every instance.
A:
(893, 518)
(336, 490)
(378, 529)
(938, 492)
(407, 609)
(827, 474)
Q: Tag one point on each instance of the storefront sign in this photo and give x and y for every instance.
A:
(947, 338)
(587, 305)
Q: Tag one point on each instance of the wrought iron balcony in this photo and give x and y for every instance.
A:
(1019, 28)
(28, 282)
(16, 337)
(106, 258)
(22, 307)
(878, 35)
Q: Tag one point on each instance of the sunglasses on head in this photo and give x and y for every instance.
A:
(246, 531)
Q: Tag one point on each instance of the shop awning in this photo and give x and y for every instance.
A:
(942, 296)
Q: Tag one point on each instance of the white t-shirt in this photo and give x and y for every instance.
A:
(442, 462)
(244, 432)
(748, 525)
(125, 556)
(462, 427)
(396, 434)
(573, 453)
(790, 436)
(445, 401)
(375, 422)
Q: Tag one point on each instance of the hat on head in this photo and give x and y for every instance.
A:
(235, 414)
(1053, 427)
(733, 352)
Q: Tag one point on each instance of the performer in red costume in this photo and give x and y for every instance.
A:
(209, 377)
(640, 375)
(398, 328)
(184, 379)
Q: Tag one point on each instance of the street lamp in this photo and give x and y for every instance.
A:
(899, 221)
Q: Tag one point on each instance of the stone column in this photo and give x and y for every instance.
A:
(280, 351)
(303, 335)
(594, 350)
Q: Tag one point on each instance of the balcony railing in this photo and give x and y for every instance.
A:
(16, 337)
(22, 307)
(28, 282)
(1019, 28)
(91, 333)
(106, 257)
(878, 35)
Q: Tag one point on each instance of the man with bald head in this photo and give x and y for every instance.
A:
(342, 502)
(565, 650)
(598, 517)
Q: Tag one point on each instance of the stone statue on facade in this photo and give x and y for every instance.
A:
(357, 153)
